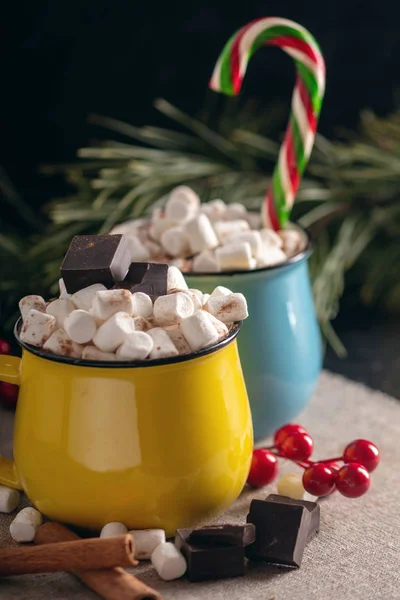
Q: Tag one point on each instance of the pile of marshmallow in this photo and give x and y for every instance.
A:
(209, 237)
(116, 325)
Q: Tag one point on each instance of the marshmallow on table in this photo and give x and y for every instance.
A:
(168, 561)
(178, 339)
(114, 332)
(235, 211)
(24, 526)
(251, 237)
(205, 262)
(31, 302)
(220, 290)
(291, 485)
(199, 331)
(173, 308)
(137, 346)
(9, 499)
(142, 305)
(175, 279)
(224, 229)
(141, 324)
(234, 256)
(80, 326)
(37, 328)
(60, 309)
(59, 343)
(163, 345)
(158, 226)
(183, 204)
(108, 302)
(228, 308)
(271, 238)
(146, 541)
(83, 299)
(175, 242)
(201, 234)
(93, 353)
(272, 256)
(114, 528)
(139, 253)
(215, 210)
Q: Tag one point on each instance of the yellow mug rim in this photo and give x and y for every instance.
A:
(80, 362)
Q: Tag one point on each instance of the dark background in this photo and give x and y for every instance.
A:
(63, 60)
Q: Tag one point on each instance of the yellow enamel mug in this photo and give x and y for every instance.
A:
(166, 444)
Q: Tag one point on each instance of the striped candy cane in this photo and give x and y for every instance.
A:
(306, 101)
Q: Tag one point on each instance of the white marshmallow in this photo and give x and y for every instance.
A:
(158, 226)
(205, 262)
(234, 211)
(219, 326)
(62, 288)
(80, 326)
(252, 237)
(234, 256)
(139, 252)
(130, 227)
(220, 290)
(173, 308)
(183, 204)
(215, 210)
(60, 309)
(199, 331)
(154, 249)
(24, 526)
(272, 256)
(93, 353)
(137, 346)
(37, 328)
(178, 339)
(197, 298)
(108, 302)
(175, 242)
(224, 229)
(201, 234)
(146, 541)
(112, 529)
(291, 485)
(163, 345)
(292, 241)
(270, 238)
(9, 499)
(141, 324)
(168, 561)
(253, 219)
(142, 305)
(228, 308)
(31, 302)
(175, 279)
(205, 298)
(114, 332)
(83, 299)
(59, 343)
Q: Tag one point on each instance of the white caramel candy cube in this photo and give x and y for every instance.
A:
(183, 204)
(114, 332)
(112, 529)
(272, 256)
(175, 279)
(228, 308)
(199, 331)
(201, 234)
(178, 339)
(93, 353)
(24, 526)
(224, 229)
(37, 328)
(80, 326)
(163, 345)
(137, 346)
(252, 237)
(146, 541)
(173, 308)
(108, 302)
(175, 242)
(59, 343)
(291, 485)
(139, 252)
(9, 499)
(220, 290)
(234, 256)
(31, 302)
(83, 299)
(168, 561)
(142, 305)
(205, 262)
(271, 238)
(60, 309)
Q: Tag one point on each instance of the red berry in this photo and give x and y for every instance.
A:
(297, 446)
(363, 452)
(282, 433)
(319, 480)
(8, 394)
(264, 468)
(5, 347)
(353, 480)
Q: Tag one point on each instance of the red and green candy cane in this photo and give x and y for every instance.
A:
(306, 101)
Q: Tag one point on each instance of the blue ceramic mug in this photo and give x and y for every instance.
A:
(280, 344)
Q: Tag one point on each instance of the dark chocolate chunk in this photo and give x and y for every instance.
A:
(281, 532)
(210, 562)
(95, 259)
(149, 278)
(312, 507)
(227, 535)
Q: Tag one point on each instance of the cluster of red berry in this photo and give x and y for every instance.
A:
(320, 478)
(8, 391)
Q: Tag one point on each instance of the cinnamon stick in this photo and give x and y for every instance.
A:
(111, 584)
(93, 553)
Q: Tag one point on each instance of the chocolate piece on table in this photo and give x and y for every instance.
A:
(149, 278)
(227, 535)
(95, 259)
(210, 562)
(312, 507)
(281, 532)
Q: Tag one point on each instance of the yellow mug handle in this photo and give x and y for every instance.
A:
(10, 373)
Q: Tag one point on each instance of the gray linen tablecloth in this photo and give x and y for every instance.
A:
(355, 556)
